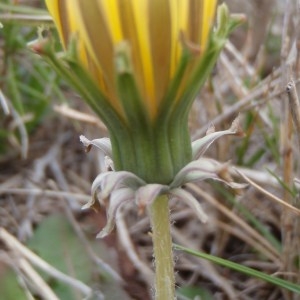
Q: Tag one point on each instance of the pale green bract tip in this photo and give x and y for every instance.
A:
(114, 189)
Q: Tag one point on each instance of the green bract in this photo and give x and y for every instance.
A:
(152, 146)
(122, 187)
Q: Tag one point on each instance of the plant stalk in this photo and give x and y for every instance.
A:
(162, 248)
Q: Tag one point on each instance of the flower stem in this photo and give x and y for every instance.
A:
(162, 245)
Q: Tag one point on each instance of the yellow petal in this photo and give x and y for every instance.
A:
(60, 11)
(53, 7)
(208, 16)
(136, 32)
(95, 33)
(111, 13)
(160, 34)
(151, 27)
(140, 21)
(200, 17)
(179, 15)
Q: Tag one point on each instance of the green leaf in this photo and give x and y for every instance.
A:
(243, 269)
(9, 286)
(191, 292)
(56, 242)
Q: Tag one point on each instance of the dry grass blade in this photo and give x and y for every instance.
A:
(68, 112)
(248, 239)
(50, 193)
(205, 268)
(265, 192)
(257, 76)
(43, 289)
(19, 123)
(234, 80)
(14, 245)
(267, 249)
(21, 17)
(253, 98)
(289, 222)
(294, 107)
(128, 246)
(68, 211)
(249, 70)
(4, 104)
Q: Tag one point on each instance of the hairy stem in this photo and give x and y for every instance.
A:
(162, 245)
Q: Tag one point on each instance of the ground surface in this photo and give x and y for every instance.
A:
(45, 175)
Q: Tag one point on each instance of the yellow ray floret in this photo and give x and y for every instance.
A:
(152, 28)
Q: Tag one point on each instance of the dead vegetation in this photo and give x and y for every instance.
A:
(46, 175)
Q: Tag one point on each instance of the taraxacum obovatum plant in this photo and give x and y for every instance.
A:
(139, 64)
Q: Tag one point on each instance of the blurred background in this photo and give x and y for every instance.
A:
(48, 248)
